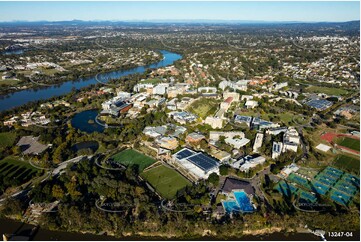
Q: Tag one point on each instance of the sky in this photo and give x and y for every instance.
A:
(254, 11)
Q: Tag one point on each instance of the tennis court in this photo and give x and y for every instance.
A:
(299, 180)
(320, 188)
(306, 196)
(339, 197)
(285, 188)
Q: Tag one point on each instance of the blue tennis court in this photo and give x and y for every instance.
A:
(346, 187)
(334, 170)
(355, 181)
(325, 180)
(339, 197)
(307, 196)
(299, 180)
(320, 188)
(332, 174)
(285, 188)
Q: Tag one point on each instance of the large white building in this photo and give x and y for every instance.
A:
(291, 140)
(214, 122)
(248, 162)
(236, 142)
(198, 164)
(215, 135)
(239, 85)
(160, 89)
(233, 95)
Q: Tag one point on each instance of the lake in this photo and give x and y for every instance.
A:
(85, 121)
(93, 145)
(42, 93)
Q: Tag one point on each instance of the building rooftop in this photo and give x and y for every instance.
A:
(232, 184)
(30, 145)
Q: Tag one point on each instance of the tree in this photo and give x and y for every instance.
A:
(213, 179)
(223, 170)
(57, 192)
(16, 150)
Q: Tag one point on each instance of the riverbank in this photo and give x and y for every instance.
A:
(17, 228)
(43, 93)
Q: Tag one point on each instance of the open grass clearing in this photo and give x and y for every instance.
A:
(165, 180)
(348, 163)
(204, 107)
(7, 139)
(133, 157)
(327, 90)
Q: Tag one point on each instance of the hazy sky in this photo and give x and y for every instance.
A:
(269, 11)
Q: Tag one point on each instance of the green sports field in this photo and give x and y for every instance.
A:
(7, 139)
(327, 90)
(132, 157)
(348, 163)
(353, 144)
(165, 180)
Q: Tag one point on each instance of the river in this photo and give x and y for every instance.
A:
(22, 97)
(20, 229)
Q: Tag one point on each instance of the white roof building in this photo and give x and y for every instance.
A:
(258, 142)
(214, 135)
(214, 122)
(196, 163)
(251, 104)
(276, 149)
(291, 140)
(237, 143)
(289, 169)
(160, 89)
(248, 162)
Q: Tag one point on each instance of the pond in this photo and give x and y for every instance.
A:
(85, 122)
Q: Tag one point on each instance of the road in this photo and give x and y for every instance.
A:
(64, 164)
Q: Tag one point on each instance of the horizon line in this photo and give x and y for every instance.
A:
(179, 20)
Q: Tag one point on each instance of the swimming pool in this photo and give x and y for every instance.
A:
(243, 201)
(230, 206)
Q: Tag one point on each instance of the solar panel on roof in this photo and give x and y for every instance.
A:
(184, 153)
(204, 162)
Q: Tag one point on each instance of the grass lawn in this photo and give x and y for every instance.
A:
(14, 169)
(152, 81)
(165, 180)
(327, 90)
(204, 107)
(353, 144)
(348, 163)
(286, 117)
(9, 82)
(7, 139)
(130, 157)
